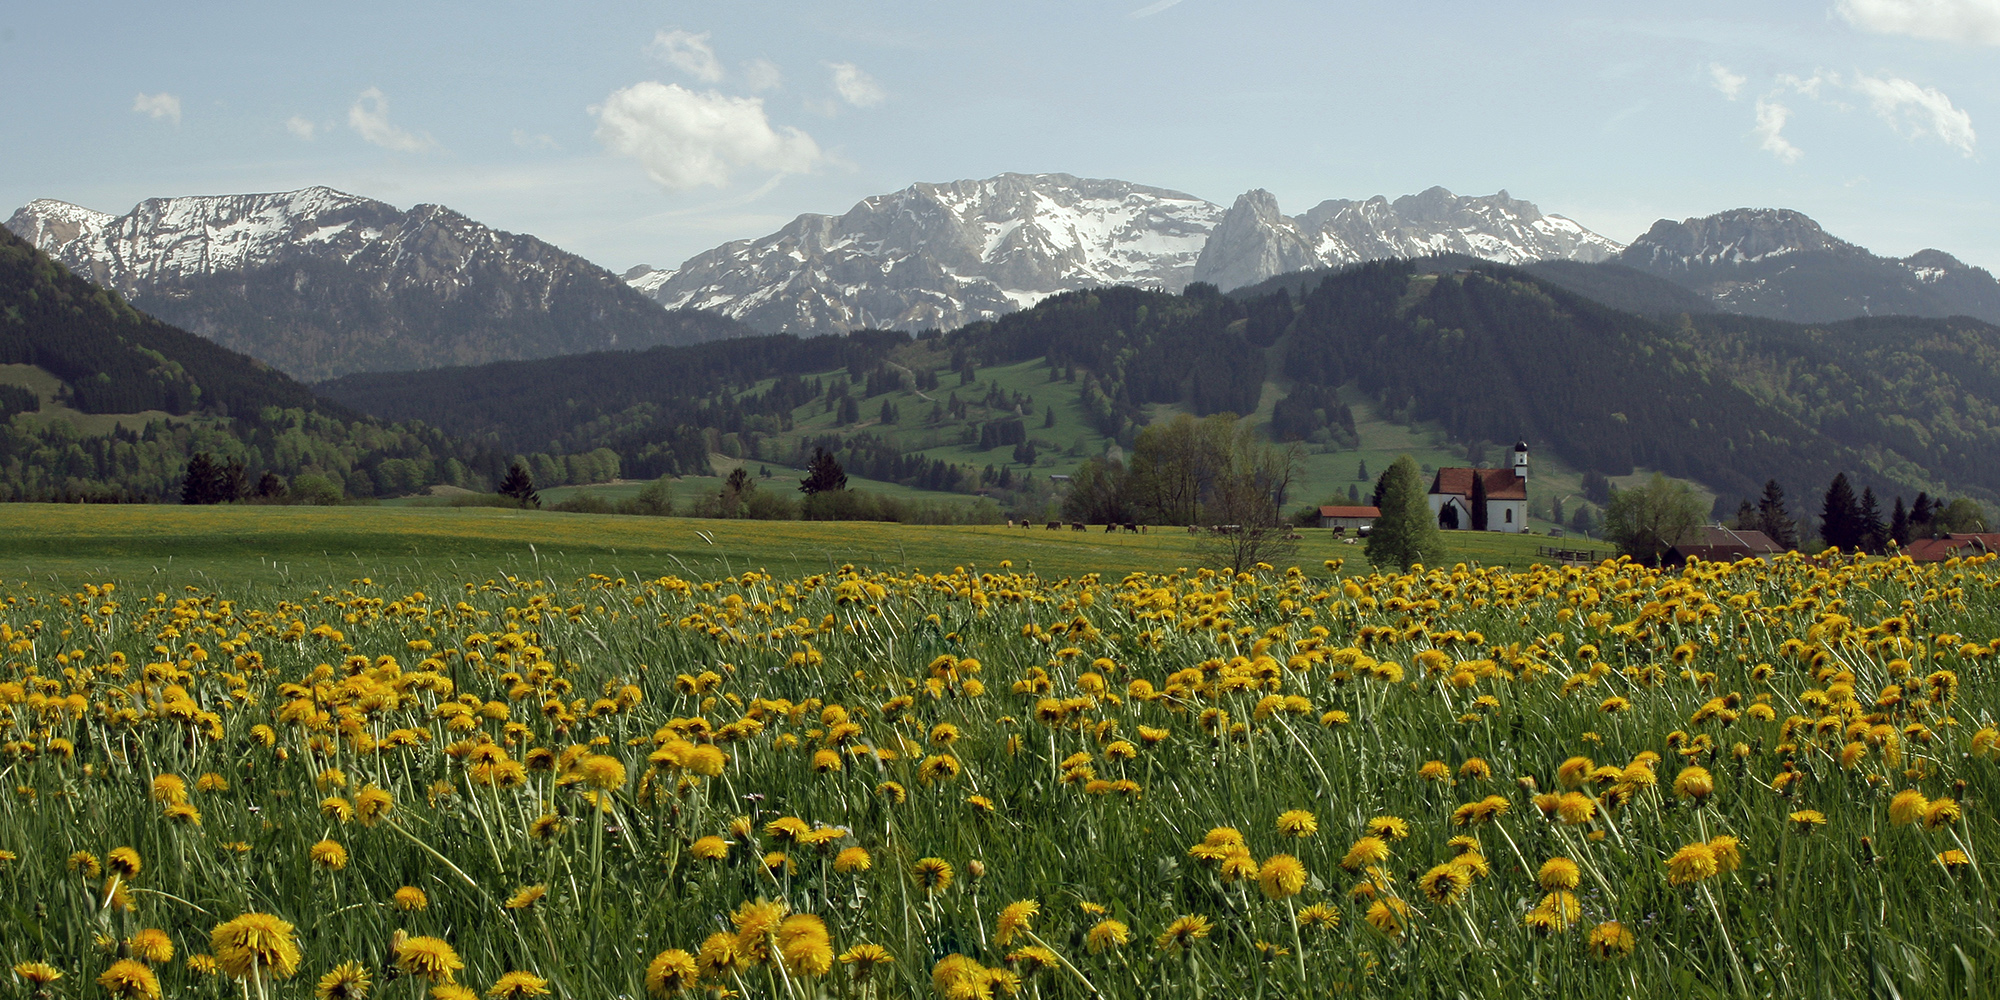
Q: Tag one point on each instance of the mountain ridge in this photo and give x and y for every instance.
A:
(318, 282)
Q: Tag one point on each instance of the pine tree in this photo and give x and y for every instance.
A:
(1049, 419)
(1353, 494)
(1874, 534)
(1556, 509)
(823, 474)
(203, 481)
(1596, 488)
(1922, 513)
(1479, 513)
(1840, 516)
(1405, 534)
(1361, 471)
(1746, 517)
(1774, 520)
(520, 486)
(1899, 524)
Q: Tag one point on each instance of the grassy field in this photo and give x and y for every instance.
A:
(420, 781)
(68, 544)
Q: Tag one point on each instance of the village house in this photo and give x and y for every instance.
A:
(1504, 493)
(1714, 543)
(1349, 518)
(1953, 546)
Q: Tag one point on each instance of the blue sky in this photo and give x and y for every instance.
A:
(647, 132)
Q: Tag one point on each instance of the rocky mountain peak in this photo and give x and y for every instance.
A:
(1740, 235)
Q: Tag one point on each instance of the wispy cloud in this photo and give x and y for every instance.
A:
(762, 74)
(161, 105)
(856, 87)
(1154, 8)
(370, 118)
(1976, 21)
(1918, 110)
(302, 127)
(685, 139)
(527, 140)
(688, 52)
(1771, 118)
(1730, 84)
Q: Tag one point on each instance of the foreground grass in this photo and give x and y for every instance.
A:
(66, 545)
(1762, 780)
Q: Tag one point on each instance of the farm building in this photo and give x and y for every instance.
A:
(1714, 543)
(1350, 518)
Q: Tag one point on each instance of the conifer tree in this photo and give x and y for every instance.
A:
(1922, 513)
(1404, 534)
(1840, 516)
(1479, 513)
(1899, 524)
(823, 474)
(203, 481)
(1874, 534)
(520, 486)
(1774, 520)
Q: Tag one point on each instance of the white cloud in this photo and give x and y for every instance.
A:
(370, 117)
(685, 139)
(1154, 8)
(1723, 80)
(1770, 131)
(761, 75)
(688, 52)
(1810, 86)
(161, 105)
(1918, 110)
(1936, 20)
(525, 140)
(301, 126)
(855, 87)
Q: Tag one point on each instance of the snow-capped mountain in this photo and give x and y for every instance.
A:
(318, 283)
(947, 254)
(1256, 241)
(1779, 263)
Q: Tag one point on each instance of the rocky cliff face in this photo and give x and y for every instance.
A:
(319, 283)
(1781, 264)
(1255, 241)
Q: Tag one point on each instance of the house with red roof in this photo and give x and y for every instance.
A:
(1503, 493)
(1953, 546)
(1350, 518)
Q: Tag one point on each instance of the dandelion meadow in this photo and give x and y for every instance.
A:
(1763, 779)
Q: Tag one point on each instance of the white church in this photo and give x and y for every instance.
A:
(1504, 491)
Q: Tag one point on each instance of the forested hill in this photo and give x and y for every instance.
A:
(101, 401)
(1490, 352)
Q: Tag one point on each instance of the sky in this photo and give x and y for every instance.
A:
(647, 132)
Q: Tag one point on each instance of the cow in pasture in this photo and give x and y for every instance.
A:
(1053, 525)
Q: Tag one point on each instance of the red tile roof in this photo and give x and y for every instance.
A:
(1951, 546)
(1718, 544)
(1501, 484)
(1349, 512)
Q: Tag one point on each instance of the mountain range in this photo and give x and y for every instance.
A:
(942, 255)
(318, 283)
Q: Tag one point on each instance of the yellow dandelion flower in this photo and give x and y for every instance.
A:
(1691, 864)
(1806, 820)
(125, 861)
(1389, 915)
(1183, 933)
(169, 790)
(526, 897)
(1445, 884)
(852, 859)
(1297, 823)
(1954, 861)
(129, 980)
(151, 946)
(410, 899)
(933, 875)
(1389, 828)
(1015, 918)
(335, 808)
(255, 943)
(671, 972)
(1941, 812)
(709, 848)
(1559, 873)
(514, 985)
(1319, 915)
(863, 958)
(1366, 851)
(1610, 940)
(329, 855)
(1281, 876)
(372, 804)
(1694, 782)
(1575, 808)
(1728, 852)
(429, 958)
(1107, 934)
(347, 981)
(37, 974)
(1907, 807)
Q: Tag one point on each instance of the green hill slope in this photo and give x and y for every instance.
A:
(101, 401)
